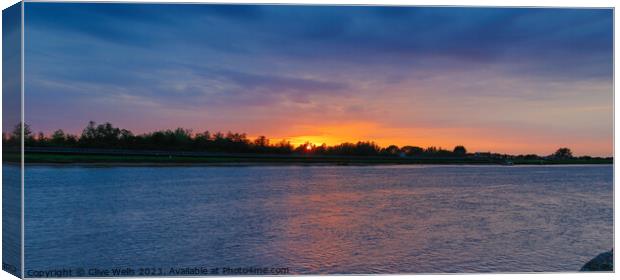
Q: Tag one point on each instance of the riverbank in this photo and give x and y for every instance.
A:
(142, 158)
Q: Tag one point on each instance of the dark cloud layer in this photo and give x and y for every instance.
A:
(353, 34)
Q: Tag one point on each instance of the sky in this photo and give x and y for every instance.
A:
(509, 80)
(11, 66)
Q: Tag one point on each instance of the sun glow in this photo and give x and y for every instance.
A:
(312, 140)
(319, 134)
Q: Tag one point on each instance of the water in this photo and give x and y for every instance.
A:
(322, 219)
(11, 219)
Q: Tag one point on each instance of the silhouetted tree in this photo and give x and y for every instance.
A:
(563, 153)
(107, 136)
(15, 138)
(412, 150)
(459, 150)
(41, 140)
(261, 142)
(529, 156)
(305, 148)
(100, 136)
(283, 147)
(391, 150)
(58, 138)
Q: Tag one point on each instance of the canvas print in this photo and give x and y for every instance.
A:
(216, 139)
(11, 141)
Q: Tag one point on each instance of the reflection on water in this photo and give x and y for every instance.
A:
(328, 219)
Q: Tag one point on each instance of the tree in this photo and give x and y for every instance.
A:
(17, 131)
(15, 139)
(41, 140)
(72, 140)
(283, 147)
(391, 150)
(563, 153)
(261, 143)
(102, 136)
(305, 148)
(182, 138)
(58, 138)
(460, 150)
(89, 132)
(412, 150)
(106, 136)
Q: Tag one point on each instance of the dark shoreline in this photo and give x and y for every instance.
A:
(155, 165)
(171, 158)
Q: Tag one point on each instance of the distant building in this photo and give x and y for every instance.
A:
(482, 154)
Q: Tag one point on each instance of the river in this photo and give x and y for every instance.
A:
(319, 219)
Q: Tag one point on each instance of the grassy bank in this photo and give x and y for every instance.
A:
(224, 159)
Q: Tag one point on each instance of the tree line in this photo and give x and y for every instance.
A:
(107, 136)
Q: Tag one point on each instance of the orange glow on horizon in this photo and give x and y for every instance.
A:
(474, 139)
(332, 135)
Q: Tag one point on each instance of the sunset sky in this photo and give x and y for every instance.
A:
(504, 80)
